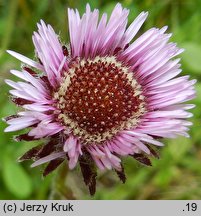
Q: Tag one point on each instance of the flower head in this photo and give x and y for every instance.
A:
(103, 96)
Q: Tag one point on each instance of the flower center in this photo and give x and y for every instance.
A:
(98, 98)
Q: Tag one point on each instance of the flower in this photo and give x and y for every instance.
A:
(103, 96)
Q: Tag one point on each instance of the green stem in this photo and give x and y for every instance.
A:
(60, 189)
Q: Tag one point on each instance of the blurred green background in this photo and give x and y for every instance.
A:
(176, 175)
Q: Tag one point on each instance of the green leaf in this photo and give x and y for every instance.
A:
(163, 178)
(16, 179)
(191, 56)
(179, 147)
(197, 100)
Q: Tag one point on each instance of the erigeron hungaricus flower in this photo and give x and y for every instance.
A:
(105, 95)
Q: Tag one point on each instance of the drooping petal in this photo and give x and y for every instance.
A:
(72, 147)
(103, 159)
(48, 158)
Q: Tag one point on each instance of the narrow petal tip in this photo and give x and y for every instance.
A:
(8, 129)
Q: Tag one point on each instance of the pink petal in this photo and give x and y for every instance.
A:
(48, 158)
(25, 60)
